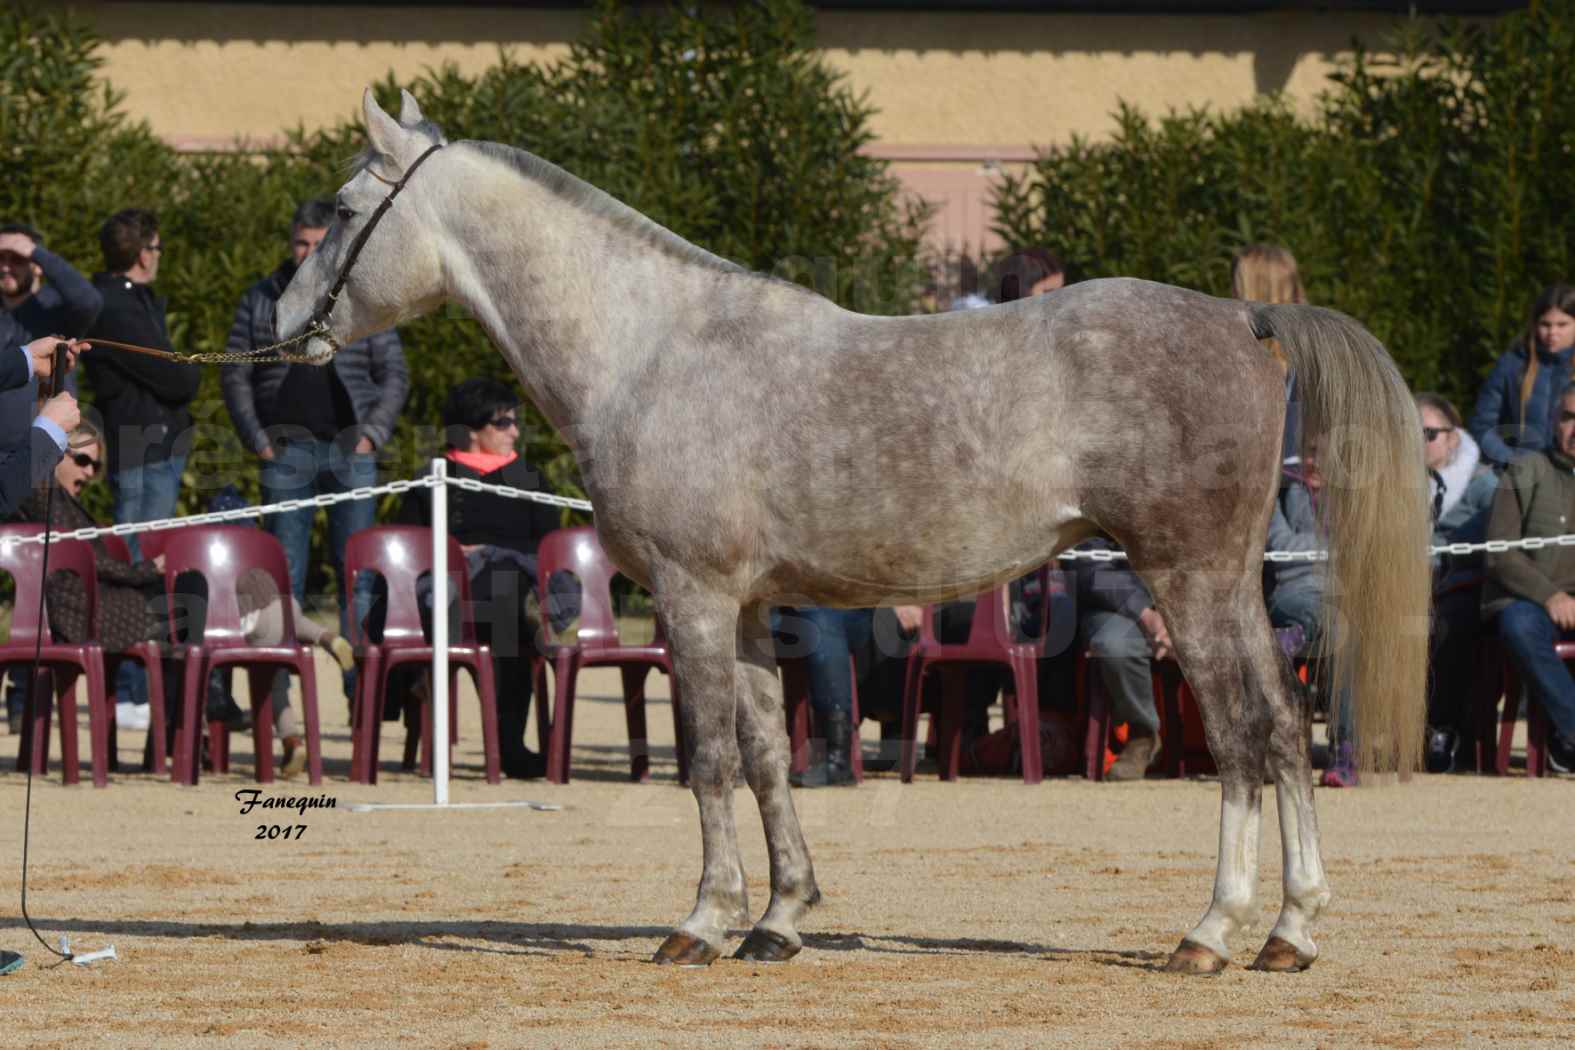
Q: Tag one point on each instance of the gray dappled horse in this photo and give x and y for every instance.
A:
(747, 442)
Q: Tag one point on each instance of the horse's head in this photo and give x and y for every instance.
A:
(387, 259)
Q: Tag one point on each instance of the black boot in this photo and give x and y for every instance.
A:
(837, 766)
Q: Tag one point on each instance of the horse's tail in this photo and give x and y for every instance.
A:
(1374, 506)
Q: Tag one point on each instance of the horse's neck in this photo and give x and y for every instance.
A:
(572, 318)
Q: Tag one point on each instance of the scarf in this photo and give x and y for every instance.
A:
(482, 462)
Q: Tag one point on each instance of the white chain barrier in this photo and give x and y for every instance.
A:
(1533, 543)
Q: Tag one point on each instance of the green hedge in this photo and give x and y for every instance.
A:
(1428, 195)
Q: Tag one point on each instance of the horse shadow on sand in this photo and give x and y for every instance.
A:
(550, 939)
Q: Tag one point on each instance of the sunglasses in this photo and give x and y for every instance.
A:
(1431, 433)
(503, 422)
(83, 460)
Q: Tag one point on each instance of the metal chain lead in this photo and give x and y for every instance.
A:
(273, 353)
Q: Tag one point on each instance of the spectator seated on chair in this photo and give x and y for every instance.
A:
(1530, 591)
(874, 641)
(1462, 488)
(499, 536)
(131, 599)
(1296, 598)
(1124, 633)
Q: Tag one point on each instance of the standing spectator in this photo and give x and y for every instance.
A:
(315, 429)
(1514, 411)
(1267, 273)
(1530, 591)
(42, 291)
(142, 400)
(1025, 273)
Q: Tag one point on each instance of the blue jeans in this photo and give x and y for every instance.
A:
(143, 493)
(1529, 633)
(831, 635)
(146, 493)
(307, 467)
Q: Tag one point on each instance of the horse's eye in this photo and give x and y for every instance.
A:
(345, 214)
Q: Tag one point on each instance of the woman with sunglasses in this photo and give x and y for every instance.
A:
(499, 537)
(129, 595)
(1462, 488)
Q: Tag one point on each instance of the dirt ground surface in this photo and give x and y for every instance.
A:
(982, 913)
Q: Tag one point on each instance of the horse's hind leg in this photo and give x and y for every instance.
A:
(1216, 620)
(763, 746)
(701, 627)
(1290, 945)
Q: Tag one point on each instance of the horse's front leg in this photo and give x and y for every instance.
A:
(701, 628)
(763, 746)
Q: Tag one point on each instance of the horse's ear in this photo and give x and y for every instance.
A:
(409, 109)
(386, 135)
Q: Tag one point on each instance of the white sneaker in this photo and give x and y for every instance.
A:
(131, 716)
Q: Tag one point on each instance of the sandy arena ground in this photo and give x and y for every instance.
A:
(975, 914)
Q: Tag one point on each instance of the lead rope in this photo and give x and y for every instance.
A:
(33, 699)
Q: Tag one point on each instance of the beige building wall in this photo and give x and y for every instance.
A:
(958, 95)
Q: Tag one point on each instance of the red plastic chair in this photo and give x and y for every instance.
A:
(1538, 725)
(800, 715)
(147, 654)
(578, 550)
(25, 563)
(117, 548)
(990, 641)
(401, 554)
(222, 554)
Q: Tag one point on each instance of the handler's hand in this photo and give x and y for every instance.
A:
(42, 351)
(909, 617)
(62, 411)
(1561, 607)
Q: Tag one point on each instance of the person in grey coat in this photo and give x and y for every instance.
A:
(315, 429)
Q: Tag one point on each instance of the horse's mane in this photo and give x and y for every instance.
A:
(587, 198)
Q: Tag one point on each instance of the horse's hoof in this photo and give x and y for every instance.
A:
(1194, 959)
(1280, 956)
(685, 949)
(766, 946)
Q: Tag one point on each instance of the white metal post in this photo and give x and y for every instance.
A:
(440, 677)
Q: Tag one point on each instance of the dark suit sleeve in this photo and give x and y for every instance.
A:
(14, 371)
(20, 467)
(80, 301)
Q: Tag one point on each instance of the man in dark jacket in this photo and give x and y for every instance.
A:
(316, 429)
(143, 400)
